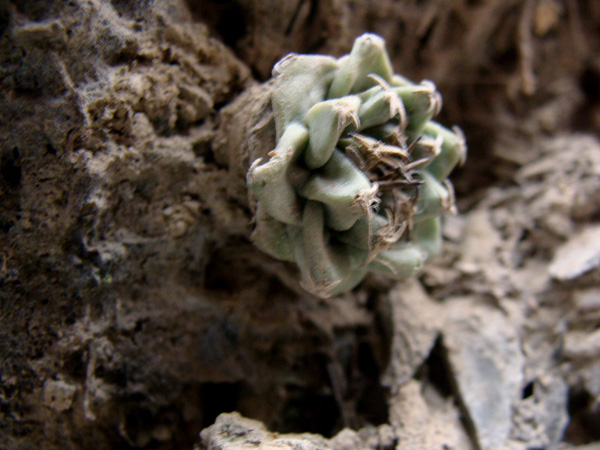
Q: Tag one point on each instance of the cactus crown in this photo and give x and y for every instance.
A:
(357, 180)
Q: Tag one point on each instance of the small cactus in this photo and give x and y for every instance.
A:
(357, 180)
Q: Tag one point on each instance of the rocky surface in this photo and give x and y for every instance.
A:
(134, 310)
(498, 352)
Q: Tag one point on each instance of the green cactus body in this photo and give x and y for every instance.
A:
(357, 180)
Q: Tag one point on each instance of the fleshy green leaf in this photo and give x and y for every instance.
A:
(380, 109)
(270, 181)
(453, 150)
(434, 199)
(368, 56)
(271, 236)
(323, 270)
(428, 236)
(402, 261)
(361, 234)
(326, 121)
(421, 103)
(337, 185)
(301, 81)
(357, 180)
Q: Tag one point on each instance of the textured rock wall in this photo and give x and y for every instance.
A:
(110, 201)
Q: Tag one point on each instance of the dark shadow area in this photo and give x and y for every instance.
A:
(316, 382)
(435, 371)
(225, 19)
(585, 118)
(10, 166)
(308, 410)
(371, 404)
(218, 398)
(584, 424)
(231, 269)
(528, 390)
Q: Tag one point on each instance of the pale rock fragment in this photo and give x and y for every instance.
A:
(487, 363)
(578, 255)
(58, 395)
(231, 431)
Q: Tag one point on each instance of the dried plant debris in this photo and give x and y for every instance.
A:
(357, 180)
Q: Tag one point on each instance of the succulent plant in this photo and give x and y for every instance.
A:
(357, 180)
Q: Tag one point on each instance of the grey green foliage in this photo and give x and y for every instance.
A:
(357, 180)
